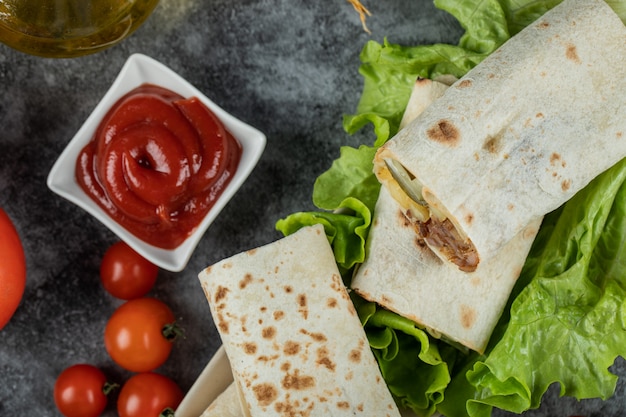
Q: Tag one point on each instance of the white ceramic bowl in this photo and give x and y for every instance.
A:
(137, 70)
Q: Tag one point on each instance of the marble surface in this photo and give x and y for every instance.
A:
(287, 67)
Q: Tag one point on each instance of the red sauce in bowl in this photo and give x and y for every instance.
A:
(157, 163)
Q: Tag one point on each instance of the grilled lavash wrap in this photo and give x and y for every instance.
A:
(291, 333)
(403, 275)
(516, 137)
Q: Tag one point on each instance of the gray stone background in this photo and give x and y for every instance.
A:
(287, 67)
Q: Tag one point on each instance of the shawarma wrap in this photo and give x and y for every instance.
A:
(516, 137)
(295, 343)
(403, 275)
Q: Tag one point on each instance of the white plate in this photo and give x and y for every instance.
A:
(211, 382)
(137, 70)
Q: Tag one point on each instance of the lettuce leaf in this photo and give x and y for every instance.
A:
(568, 324)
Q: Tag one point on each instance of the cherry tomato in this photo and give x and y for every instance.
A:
(81, 391)
(139, 335)
(125, 274)
(148, 394)
(12, 269)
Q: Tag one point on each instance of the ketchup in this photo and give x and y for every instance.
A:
(157, 163)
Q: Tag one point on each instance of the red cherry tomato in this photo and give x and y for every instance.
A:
(125, 274)
(12, 269)
(81, 391)
(148, 395)
(140, 333)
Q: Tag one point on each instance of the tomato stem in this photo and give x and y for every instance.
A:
(109, 387)
(168, 412)
(172, 331)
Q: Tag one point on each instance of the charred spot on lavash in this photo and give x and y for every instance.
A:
(444, 132)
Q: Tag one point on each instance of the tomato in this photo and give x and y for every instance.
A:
(125, 274)
(139, 335)
(81, 391)
(12, 269)
(148, 394)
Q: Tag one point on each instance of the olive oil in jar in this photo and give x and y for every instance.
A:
(69, 28)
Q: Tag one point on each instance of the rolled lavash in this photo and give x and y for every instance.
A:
(523, 131)
(403, 275)
(292, 335)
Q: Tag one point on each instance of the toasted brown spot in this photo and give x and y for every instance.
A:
(265, 393)
(554, 158)
(279, 314)
(298, 382)
(318, 337)
(464, 84)
(619, 135)
(249, 348)
(510, 207)
(331, 302)
(324, 360)
(469, 218)
(265, 358)
(221, 293)
(355, 356)
(539, 115)
(302, 307)
(475, 281)
(343, 405)
(572, 54)
(493, 144)
(360, 407)
(222, 324)
(268, 332)
(227, 265)
(544, 25)
(566, 184)
(247, 279)
(445, 133)
(468, 316)
(285, 366)
(288, 289)
(291, 347)
(252, 251)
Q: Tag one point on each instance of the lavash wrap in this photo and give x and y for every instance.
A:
(403, 275)
(291, 333)
(524, 130)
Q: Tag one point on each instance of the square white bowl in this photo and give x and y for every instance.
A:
(137, 70)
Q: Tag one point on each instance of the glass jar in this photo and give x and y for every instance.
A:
(69, 28)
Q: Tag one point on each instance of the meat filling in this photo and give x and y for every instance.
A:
(443, 236)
